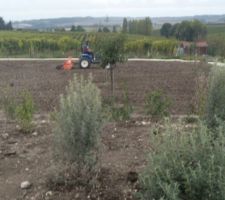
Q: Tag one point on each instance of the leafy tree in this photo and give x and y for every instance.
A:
(80, 29)
(174, 30)
(185, 31)
(105, 29)
(2, 24)
(77, 29)
(199, 29)
(112, 50)
(99, 29)
(166, 30)
(147, 26)
(143, 26)
(9, 26)
(189, 30)
(125, 26)
(5, 26)
(73, 28)
(114, 29)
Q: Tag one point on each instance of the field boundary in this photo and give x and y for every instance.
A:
(130, 60)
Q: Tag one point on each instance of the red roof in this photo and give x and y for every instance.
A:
(201, 44)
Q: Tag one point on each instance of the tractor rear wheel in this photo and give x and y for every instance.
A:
(84, 63)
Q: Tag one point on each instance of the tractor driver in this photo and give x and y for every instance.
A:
(86, 49)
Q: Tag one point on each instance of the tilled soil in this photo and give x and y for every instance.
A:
(124, 145)
(177, 80)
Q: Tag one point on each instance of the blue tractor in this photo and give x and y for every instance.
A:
(87, 57)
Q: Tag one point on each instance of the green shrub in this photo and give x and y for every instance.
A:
(122, 112)
(157, 104)
(78, 123)
(25, 111)
(185, 165)
(20, 110)
(216, 97)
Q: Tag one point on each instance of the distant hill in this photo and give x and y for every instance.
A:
(107, 21)
(68, 22)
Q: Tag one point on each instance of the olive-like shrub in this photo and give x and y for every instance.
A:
(185, 165)
(78, 123)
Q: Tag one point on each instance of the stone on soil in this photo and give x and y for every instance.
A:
(25, 185)
(5, 135)
(35, 133)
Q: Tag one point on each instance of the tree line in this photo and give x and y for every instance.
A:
(77, 28)
(4, 25)
(186, 30)
(137, 26)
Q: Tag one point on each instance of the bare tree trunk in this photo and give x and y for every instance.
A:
(106, 75)
(112, 80)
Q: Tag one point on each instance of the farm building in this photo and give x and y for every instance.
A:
(201, 47)
(187, 48)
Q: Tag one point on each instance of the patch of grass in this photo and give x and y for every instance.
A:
(21, 109)
(120, 112)
(24, 112)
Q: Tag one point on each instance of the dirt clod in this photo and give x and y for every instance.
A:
(132, 177)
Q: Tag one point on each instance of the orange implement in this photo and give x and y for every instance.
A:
(68, 64)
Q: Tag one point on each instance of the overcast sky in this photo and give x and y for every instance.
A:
(37, 9)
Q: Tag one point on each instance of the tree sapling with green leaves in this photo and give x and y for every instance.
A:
(112, 52)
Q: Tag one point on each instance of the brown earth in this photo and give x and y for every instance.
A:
(124, 145)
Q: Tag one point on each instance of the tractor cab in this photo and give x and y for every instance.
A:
(87, 57)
